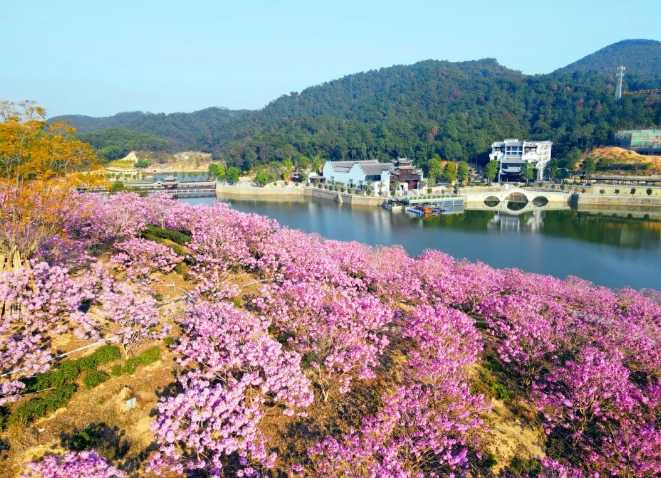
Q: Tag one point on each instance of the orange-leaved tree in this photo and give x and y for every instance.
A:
(40, 164)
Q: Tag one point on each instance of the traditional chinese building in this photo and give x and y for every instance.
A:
(404, 173)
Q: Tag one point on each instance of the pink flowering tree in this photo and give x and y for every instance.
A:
(339, 331)
(36, 305)
(120, 312)
(236, 374)
(141, 258)
(427, 425)
(224, 239)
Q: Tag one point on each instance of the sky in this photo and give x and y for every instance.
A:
(100, 58)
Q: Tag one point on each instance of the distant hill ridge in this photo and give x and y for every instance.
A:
(639, 57)
(180, 129)
(454, 110)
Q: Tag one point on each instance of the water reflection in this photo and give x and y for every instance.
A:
(612, 251)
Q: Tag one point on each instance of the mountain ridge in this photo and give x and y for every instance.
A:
(638, 56)
(451, 109)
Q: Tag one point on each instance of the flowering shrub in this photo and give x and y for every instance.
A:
(84, 464)
(141, 258)
(425, 426)
(36, 305)
(371, 360)
(239, 372)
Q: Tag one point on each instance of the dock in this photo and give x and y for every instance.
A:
(175, 188)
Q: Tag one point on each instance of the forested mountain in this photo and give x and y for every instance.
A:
(115, 143)
(182, 130)
(640, 57)
(433, 107)
(454, 110)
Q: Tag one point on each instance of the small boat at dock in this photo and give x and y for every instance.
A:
(428, 210)
(393, 205)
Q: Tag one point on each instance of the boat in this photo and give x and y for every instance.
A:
(393, 205)
(420, 210)
(440, 209)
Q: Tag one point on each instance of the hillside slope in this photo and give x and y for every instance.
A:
(181, 130)
(640, 57)
(454, 110)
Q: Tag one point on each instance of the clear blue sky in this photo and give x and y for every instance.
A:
(102, 57)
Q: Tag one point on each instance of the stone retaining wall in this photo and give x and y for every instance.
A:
(295, 193)
(615, 200)
(259, 193)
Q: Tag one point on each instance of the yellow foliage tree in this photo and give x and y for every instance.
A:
(40, 164)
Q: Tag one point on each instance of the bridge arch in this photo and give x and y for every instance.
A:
(517, 196)
(492, 201)
(540, 201)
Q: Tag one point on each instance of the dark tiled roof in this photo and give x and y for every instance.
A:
(345, 166)
(375, 169)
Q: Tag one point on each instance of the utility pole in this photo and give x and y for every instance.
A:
(620, 78)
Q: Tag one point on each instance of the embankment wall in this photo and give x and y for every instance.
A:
(295, 193)
(607, 200)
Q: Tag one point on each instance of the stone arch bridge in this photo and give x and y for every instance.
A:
(534, 197)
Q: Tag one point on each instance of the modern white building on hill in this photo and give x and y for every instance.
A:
(511, 154)
(359, 173)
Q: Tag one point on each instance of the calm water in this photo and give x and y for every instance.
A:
(614, 252)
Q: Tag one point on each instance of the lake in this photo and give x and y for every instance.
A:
(611, 251)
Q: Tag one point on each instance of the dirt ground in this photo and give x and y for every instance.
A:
(626, 157)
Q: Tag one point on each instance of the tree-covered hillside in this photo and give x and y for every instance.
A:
(640, 57)
(433, 107)
(184, 131)
(115, 143)
(454, 110)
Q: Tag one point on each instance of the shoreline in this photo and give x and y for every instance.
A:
(580, 201)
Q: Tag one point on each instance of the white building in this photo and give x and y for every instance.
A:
(359, 173)
(511, 154)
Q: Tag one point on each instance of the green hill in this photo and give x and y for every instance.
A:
(181, 130)
(640, 57)
(454, 110)
(432, 107)
(116, 143)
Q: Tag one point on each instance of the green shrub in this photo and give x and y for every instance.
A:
(145, 358)
(85, 439)
(70, 369)
(177, 237)
(169, 340)
(489, 460)
(67, 372)
(36, 408)
(95, 378)
(116, 370)
(101, 356)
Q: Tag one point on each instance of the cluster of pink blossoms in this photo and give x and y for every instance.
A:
(239, 371)
(36, 304)
(141, 258)
(84, 464)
